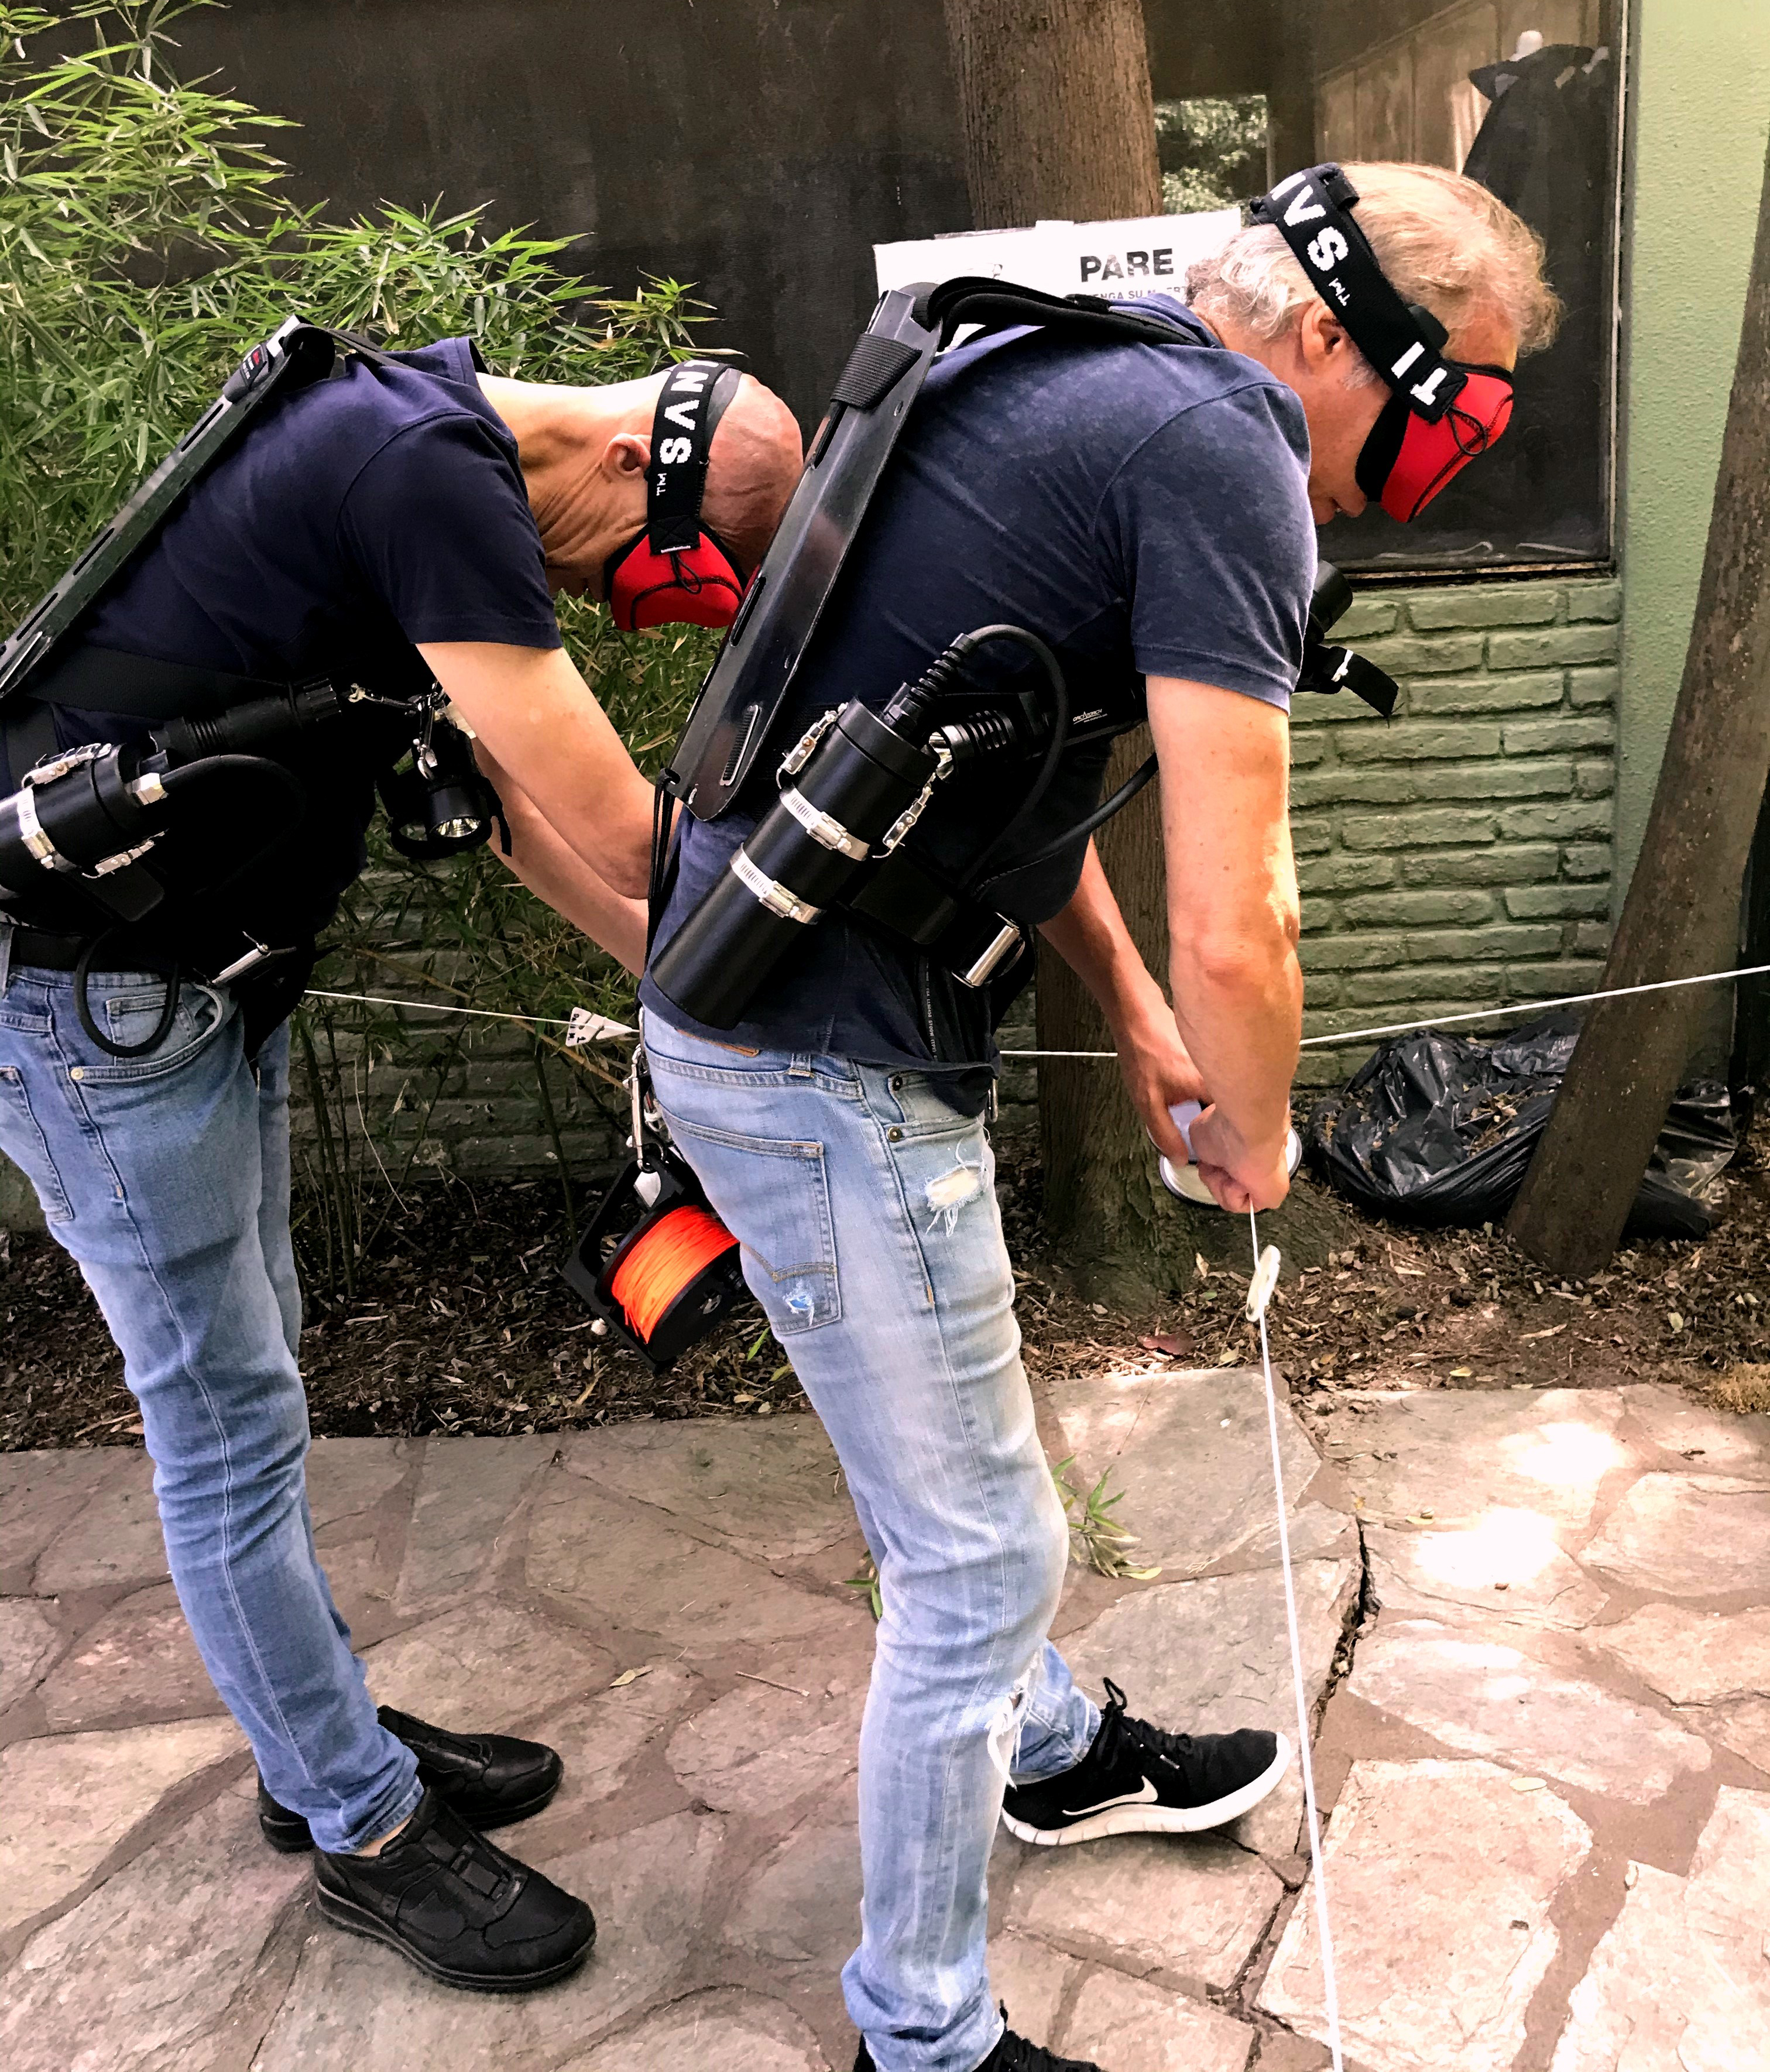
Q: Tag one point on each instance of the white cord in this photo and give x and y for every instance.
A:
(432, 1006)
(1259, 1293)
(1475, 1014)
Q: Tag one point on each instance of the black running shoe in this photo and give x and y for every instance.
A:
(489, 1779)
(1137, 1780)
(1013, 2054)
(454, 1905)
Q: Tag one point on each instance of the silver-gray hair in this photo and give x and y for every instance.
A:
(1444, 241)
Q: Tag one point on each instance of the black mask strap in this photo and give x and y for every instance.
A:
(1313, 212)
(692, 402)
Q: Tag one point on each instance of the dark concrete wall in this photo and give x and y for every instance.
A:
(757, 147)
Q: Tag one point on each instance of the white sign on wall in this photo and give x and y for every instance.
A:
(1140, 256)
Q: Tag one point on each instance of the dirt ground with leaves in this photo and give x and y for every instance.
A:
(461, 1323)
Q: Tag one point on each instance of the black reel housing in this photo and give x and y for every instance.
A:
(621, 1222)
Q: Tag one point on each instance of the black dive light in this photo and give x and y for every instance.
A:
(88, 816)
(850, 790)
(440, 804)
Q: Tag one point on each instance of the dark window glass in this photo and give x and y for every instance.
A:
(1521, 94)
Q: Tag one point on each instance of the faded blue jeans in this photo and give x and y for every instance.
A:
(167, 1178)
(864, 1201)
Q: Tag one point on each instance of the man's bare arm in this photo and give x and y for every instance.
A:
(558, 874)
(1232, 918)
(542, 725)
(1091, 936)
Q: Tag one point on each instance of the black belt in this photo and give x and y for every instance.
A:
(57, 953)
(47, 952)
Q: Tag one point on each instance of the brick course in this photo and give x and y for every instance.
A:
(1458, 855)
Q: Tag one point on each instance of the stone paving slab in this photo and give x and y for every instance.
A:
(137, 1661)
(1191, 1907)
(152, 1961)
(1452, 1458)
(1187, 1448)
(629, 1562)
(1471, 1689)
(1712, 1440)
(1508, 1564)
(29, 1642)
(1214, 1655)
(735, 2032)
(664, 1604)
(773, 1491)
(515, 1662)
(1693, 1657)
(66, 1802)
(40, 1493)
(1687, 1536)
(1443, 1880)
(112, 1540)
(1683, 1980)
(465, 1503)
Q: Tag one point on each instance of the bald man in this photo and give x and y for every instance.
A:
(403, 525)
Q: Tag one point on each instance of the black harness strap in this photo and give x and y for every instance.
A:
(733, 723)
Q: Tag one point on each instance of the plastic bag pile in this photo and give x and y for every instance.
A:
(1438, 1130)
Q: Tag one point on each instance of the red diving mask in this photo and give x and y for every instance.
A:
(1441, 412)
(676, 572)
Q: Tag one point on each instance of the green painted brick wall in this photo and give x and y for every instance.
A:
(1460, 854)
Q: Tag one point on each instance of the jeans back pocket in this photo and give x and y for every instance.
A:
(773, 1195)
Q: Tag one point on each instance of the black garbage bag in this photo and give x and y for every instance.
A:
(1438, 1129)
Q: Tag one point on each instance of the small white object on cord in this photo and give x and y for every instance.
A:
(584, 1027)
(1265, 1279)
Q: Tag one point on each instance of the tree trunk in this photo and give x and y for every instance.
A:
(1059, 121)
(1681, 913)
(1058, 117)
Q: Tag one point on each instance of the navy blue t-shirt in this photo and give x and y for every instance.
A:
(1143, 509)
(357, 517)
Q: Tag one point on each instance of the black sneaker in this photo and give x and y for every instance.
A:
(1137, 1780)
(489, 1779)
(1013, 2054)
(454, 1905)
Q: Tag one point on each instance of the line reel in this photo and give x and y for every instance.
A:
(655, 1266)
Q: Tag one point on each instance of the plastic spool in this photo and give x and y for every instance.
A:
(1184, 1181)
(671, 1262)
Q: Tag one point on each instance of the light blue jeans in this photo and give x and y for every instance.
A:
(167, 1177)
(864, 1201)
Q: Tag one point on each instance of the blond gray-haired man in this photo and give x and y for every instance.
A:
(1146, 508)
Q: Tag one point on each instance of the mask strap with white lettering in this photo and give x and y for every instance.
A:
(692, 401)
(1313, 212)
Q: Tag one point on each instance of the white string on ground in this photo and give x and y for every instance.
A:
(1475, 1014)
(1259, 1294)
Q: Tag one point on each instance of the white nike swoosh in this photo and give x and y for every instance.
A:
(1146, 1797)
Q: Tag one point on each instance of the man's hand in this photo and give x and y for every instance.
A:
(541, 723)
(1157, 1070)
(1241, 1176)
